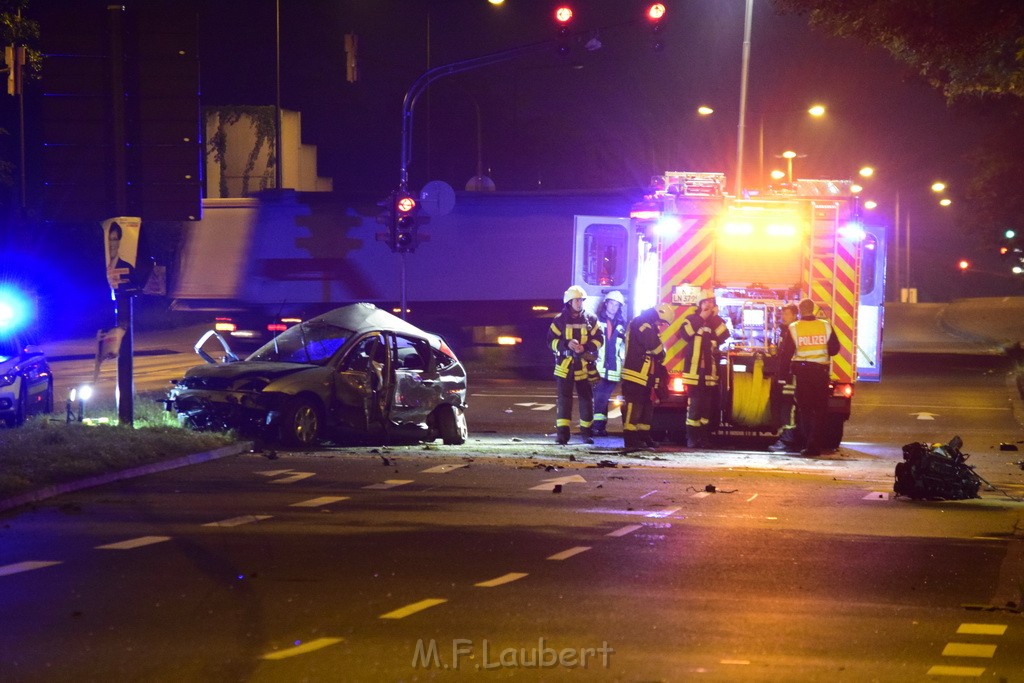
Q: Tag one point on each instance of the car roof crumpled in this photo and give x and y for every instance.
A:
(365, 317)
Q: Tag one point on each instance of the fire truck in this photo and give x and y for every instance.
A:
(803, 240)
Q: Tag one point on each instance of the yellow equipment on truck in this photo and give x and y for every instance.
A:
(759, 254)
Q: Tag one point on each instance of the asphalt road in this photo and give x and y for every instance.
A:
(334, 566)
(431, 562)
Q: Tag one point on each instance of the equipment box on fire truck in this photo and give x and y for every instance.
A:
(758, 255)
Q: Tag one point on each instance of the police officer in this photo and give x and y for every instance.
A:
(783, 391)
(806, 353)
(611, 316)
(703, 331)
(644, 356)
(575, 337)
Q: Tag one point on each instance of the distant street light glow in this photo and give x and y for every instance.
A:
(705, 110)
(817, 110)
(938, 186)
(945, 201)
(871, 204)
(866, 172)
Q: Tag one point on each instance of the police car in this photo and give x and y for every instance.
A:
(26, 382)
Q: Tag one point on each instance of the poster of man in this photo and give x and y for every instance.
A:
(121, 247)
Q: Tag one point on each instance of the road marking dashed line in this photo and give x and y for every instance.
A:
(311, 646)
(413, 608)
(940, 670)
(663, 513)
(969, 650)
(441, 469)
(628, 529)
(317, 502)
(238, 521)
(566, 554)
(503, 579)
(291, 479)
(26, 566)
(752, 497)
(983, 629)
(389, 484)
(133, 543)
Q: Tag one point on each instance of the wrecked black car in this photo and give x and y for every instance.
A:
(355, 372)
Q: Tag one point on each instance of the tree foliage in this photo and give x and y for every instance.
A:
(963, 47)
(973, 52)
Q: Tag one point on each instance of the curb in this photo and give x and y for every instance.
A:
(100, 479)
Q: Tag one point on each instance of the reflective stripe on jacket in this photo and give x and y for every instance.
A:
(614, 343)
(644, 350)
(700, 357)
(811, 338)
(584, 328)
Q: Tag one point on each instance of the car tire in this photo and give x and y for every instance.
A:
(301, 423)
(451, 425)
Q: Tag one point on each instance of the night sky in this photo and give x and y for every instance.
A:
(604, 118)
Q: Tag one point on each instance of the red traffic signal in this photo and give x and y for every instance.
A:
(563, 17)
(655, 15)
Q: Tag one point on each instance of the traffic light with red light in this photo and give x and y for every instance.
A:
(656, 17)
(563, 18)
(404, 233)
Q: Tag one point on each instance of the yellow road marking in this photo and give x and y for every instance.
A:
(507, 578)
(415, 607)
(628, 529)
(566, 554)
(968, 650)
(983, 629)
(975, 671)
(312, 645)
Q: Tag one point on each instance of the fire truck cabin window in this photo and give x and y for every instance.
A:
(869, 264)
(604, 253)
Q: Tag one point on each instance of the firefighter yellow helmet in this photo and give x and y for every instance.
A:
(666, 312)
(615, 295)
(574, 292)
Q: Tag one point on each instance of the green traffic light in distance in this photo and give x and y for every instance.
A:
(1010, 234)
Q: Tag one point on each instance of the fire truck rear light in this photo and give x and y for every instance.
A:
(675, 385)
(645, 215)
(505, 340)
(843, 391)
(738, 228)
(225, 326)
(291, 321)
(276, 327)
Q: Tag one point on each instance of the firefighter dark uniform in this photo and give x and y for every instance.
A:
(702, 332)
(609, 358)
(644, 355)
(783, 397)
(806, 353)
(575, 338)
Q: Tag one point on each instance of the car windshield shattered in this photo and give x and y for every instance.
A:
(311, 343)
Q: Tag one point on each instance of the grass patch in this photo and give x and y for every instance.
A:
(48, 450)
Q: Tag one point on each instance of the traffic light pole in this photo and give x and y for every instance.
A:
(431, 75)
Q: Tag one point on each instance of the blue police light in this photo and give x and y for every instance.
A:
(14, 310)
(668, 226)
(852, 231)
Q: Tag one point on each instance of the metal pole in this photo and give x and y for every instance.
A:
(278, 175)
(123, 301)
(896, 228)
(760, 147)
(748, 19)
(403, 255)
(906, 251)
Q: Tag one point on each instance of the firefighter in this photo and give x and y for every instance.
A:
(644, 356)
(575, 338)
(611, 316)
(784, 410)
(806, 353)
(702, 332)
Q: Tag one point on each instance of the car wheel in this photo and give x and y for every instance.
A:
(302, 423)
(451, 424)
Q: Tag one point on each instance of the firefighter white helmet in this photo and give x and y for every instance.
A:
(615, 295)
(574, 292)
(666, 312)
